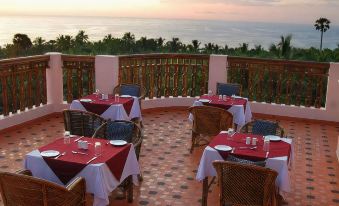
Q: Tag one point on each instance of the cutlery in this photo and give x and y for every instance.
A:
(91, 160)
(83, 153)
(255, 147)
(62, 154)
(107, 142)
(233, 150)
(78, 139)
(267, 154)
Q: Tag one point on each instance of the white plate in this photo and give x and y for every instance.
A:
(125, 96)
(273, 137)
(204, 100)
(118, 142)
(85, 100)
(50, 153)
(224, 148)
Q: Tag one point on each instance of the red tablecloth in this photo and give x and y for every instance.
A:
(276, 149)
(99, 106)
(215, 102)
(68, 166)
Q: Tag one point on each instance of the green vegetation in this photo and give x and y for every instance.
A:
(128, 44)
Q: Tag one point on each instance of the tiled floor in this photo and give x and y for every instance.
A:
(169, 170)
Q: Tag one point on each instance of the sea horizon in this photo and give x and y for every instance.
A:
(221, 32)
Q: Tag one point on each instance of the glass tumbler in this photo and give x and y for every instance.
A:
(67, 137)
(97, 149)
(116, 97)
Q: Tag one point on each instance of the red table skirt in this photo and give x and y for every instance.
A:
(68, 166)
(276, 149)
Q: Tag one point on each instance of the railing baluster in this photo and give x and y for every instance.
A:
(22, 89)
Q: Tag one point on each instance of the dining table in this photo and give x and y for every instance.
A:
(238, 106)
(103, 172)
(278, 157)
(123, 107)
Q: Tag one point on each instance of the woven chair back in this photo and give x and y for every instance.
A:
(228, 89)
(23, 190)
(210, 120)
(263, 127)
(245, 184)
(81, 122)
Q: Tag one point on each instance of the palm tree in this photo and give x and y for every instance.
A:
(285, 46)
(22, 41)
(323, 25)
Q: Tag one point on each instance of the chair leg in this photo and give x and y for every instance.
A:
(193, 142)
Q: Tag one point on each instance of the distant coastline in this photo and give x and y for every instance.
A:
(206, 31)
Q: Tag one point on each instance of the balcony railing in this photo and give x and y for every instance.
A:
(166, 74)
(78, 76)
(280, 81)
(23, 83)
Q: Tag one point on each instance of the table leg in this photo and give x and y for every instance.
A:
(204, 192)
(130, 189)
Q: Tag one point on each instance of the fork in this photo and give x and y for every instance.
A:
(62, 154)
(267, 154)
(83, 153)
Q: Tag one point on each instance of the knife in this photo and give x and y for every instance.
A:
(78, 139)
(91, 160)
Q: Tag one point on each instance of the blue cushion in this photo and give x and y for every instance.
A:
(228, 89)
(133, 90)
(263, 127)
(232, 158)
(120, 131)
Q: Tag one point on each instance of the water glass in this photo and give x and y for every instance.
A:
(97, 92)
(97, 149)
(67, 137)
(266, 146)
(116, 97)
(210, 93)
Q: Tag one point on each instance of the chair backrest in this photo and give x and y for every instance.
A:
(130, 89)
(121, 130)
(81, 122)
(210, 120)
(263, 127)
(245, 184)
(19, 189)
(228, 89)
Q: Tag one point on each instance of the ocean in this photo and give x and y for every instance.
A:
(213, 31)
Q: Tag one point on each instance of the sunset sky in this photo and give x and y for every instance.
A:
(290, 11)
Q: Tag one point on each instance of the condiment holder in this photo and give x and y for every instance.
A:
(82, 144)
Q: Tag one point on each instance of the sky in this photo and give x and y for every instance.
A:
(286, 11)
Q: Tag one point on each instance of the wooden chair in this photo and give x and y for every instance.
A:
(81, 122)
(133, 90)
(21, 188)
(228, 89)
(263, 127)
(209, 121)
(242, 184)
(130, 132)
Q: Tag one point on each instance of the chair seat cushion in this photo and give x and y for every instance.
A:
(133, 90)
(120, 131)
(232, 158)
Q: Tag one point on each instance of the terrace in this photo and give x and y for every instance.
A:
(302, 96)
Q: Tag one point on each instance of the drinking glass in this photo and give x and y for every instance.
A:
(67, 137)
(210, 93)
(97, 92)
(266, 146)
(97, 149)
(116, 97)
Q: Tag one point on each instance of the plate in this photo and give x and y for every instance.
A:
(224, 148)
(118, 142)
(273, 138)
(204, 100)
(125, 96)
(49, 153)
(85, 100)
